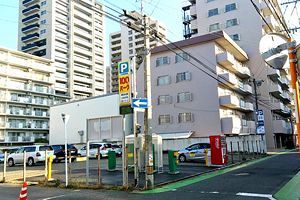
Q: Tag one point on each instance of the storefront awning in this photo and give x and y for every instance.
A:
(176, 135)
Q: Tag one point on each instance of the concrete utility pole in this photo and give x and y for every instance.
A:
(149, 178)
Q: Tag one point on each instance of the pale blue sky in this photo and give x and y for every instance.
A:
(168, 13)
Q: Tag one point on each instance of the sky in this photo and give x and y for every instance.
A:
(168, 14)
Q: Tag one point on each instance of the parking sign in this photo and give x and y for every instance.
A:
(124, 83)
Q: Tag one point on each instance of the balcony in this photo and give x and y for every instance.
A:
(30, 47)
(243, 72)
(275, 90)
(83, 89)
(83, 61)
(230, 101)
(285, 96)
(193, 10)
(246, 88)
(284, 82)
(31, 18)
(274, 74)
(280, 108)
(19, 139)
(227, 60)
(30, 37)
(228, 77)
(29, 2)
(231, 125)
(31, 27)
(83, 79)
(31, 9)
(247, 106)
(281, 126)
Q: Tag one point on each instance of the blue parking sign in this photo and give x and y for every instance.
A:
(123, 68)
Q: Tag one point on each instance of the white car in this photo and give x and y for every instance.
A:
(34, 154)
(104, 148)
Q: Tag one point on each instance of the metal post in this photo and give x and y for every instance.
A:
(4, 166)
(87, 167)
(124, 155)
(238, 144)
(99, 167)
(256, 147)
(231, 152)
(66, 154)
(252, 148)
(24, 166)
(295, 86)
(248, 146)
(46, 166)
(149, 178)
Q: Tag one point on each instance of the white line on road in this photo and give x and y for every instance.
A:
(55, 197)
(269, 196)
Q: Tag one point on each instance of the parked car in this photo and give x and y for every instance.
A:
(34, 154)
(59, 152)
(117, 148)
(104, 148)
(193, 152)
(1, 155)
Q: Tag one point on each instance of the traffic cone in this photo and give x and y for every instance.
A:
(23, 193)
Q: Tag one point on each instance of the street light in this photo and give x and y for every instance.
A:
(65, 118)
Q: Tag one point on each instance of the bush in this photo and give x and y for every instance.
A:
(41, 140)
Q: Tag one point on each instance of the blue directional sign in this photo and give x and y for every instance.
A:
(140, 103)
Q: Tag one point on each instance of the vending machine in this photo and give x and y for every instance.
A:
(218, 150)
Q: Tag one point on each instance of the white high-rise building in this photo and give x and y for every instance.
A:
(127, 43)
(26, 94)
(70, 33)
(242, 22)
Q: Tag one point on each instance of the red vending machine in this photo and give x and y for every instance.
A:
(218, 150)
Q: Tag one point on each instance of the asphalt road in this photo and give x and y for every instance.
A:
(256, 181)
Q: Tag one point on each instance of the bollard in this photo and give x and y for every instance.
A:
(207, 158)
(49, 168)
(231, 151)
(111, 161)
(4, 166)
(173, 162)
(24, 166)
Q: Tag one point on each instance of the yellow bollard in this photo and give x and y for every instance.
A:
(206, 157)
(49, 170)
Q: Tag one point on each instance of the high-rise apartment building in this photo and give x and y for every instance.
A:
(233, 17)
(127, 43)
(70, 33)
(26, 94)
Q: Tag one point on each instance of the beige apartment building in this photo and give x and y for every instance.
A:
(189, 103)
(70, 33)
(233, 17)
(128, 43)
(26, 94)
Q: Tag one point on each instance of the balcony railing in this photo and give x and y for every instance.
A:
(31, 18)
(30, 47)
(31, 9)
(30, 28)
(29, 2)
(30, 37)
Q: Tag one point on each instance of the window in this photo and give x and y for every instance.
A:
(43, 21)
(214, 27)
(43, 12)
(162, 61)
(43, 31)
(209, 0)
(194, 147)
(235, 37)
(43, 3)
(180, 57)
(130, 32)
(213, 12)
(185, 117)
(230, 7)
(130, 51)
(130, 45)
(164, 119)
(231, 22)
(183, 76)
(130, 38)
(163, 80)
(184, 97)
(164, 99)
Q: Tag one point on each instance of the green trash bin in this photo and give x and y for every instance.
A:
(111, 161)
(173, 161)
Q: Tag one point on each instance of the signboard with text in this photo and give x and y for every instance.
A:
(124, 83)
(260, 122)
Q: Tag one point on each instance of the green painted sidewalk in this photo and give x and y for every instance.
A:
(291, 190)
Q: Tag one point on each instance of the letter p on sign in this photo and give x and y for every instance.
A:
(123, 68)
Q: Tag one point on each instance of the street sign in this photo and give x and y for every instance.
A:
(124, 83)
(140, 103)
(260, 122)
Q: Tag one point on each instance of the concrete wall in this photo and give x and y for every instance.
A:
(80, 111)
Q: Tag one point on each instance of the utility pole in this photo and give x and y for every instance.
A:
(149, 178)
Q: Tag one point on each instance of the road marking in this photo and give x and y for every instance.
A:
(55, 197)
(290, 190)
(269, 196)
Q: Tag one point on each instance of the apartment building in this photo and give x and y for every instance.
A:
(190, 103)
(127, 43)
(209, 16)
(70, 33)
(26, 94)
